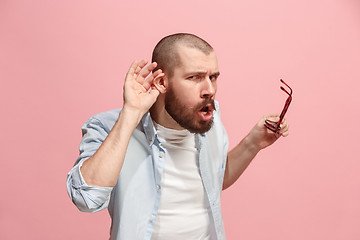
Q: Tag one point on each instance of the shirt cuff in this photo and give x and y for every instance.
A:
(87, 198)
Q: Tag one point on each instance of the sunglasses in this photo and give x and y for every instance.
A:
(275, 126)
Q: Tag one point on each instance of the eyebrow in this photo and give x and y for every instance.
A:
(216, 74)
(203, 73)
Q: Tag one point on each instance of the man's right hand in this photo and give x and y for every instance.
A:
(139, 93)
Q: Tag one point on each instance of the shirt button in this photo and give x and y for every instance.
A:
(158, 187)
(161, 155)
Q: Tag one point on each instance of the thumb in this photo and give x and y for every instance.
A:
(154, 93)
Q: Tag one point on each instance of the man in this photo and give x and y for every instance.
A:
(160, 163)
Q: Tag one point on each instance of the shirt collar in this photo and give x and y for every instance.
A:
(150, 132)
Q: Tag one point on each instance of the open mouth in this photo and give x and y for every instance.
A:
(206, 112)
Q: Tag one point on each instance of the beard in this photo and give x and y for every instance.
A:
(187, 117)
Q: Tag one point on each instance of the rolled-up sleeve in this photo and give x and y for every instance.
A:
(88, 198)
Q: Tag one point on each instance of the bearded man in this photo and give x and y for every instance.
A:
(159, 164)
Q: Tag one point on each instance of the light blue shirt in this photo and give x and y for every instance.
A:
(133, 203)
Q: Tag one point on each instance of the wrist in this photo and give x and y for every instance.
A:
(130, 116)
(251, 144)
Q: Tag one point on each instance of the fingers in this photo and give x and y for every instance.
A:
(136, 68)
(139, 70)
(140, 66)
(145, 71)
(133, 68)
(284, 128)
(272, 117)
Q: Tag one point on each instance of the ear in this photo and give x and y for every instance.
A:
(161, 83)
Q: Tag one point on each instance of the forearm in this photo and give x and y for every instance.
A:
(103, 168)
(238, 160)
(241, 156)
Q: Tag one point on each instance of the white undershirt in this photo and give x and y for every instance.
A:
(184, 209)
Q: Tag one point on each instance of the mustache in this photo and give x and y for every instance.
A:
(205, 103)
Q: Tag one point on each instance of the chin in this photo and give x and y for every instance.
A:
(202, 127)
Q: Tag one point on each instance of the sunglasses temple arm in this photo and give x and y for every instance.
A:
(287, 86)
(287, 104)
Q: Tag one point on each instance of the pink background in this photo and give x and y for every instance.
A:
(63, 61)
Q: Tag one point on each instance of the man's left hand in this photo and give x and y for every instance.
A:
(260, 137)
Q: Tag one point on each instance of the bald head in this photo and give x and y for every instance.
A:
(166, 51)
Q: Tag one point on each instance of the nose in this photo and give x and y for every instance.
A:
(209, 89)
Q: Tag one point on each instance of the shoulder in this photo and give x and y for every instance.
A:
(104, 119)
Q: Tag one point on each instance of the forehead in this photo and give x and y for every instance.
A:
(194, 60)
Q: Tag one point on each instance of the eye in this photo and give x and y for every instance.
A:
(194, 78)
(213, 77)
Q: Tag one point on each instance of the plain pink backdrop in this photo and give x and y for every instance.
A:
(63, 61)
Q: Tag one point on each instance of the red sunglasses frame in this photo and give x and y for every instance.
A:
(275, 126)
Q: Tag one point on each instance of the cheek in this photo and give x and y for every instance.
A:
(188, 95)
(191, 98)
(215, 86)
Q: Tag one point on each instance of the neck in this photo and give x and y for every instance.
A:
(161, 116)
